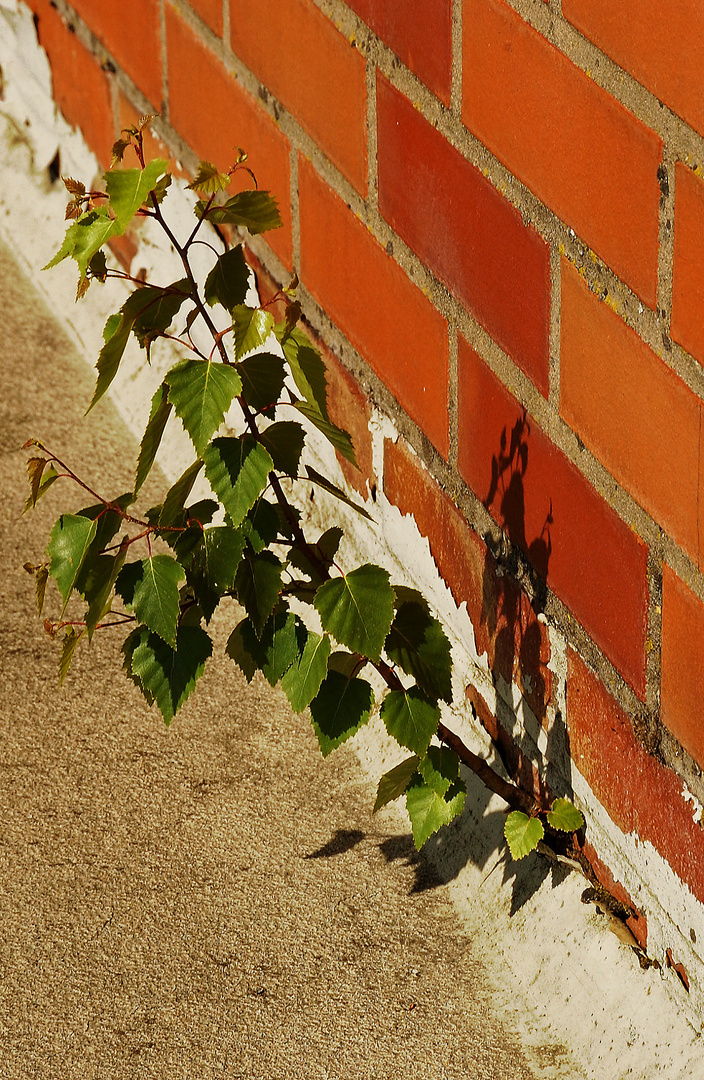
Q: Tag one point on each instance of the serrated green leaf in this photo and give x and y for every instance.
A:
(339, 709)
(285, 442)
(307, 366)
(103, 573)
(252, 327)
(419, 645)
(394, 783)
(262, 380)
(129, 189)
(164, 675)
(410, 718)
(523, 833)
(68, 545)
(151, 590)
(262, 525)
(208, 178)
(178, 493)
(439, 768)
(333, 489)
(68, 649)
(303, 679)
(338, 438)
(357, 609)
(84, 237)
(256, 211)
(159, 414)
(565, 816)
(211, 565)
(280, 646)
(429, 811)
(258, 586)
(201, 392)
(228, 281)
(237, 470)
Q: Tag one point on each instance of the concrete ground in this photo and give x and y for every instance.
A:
(211, 900)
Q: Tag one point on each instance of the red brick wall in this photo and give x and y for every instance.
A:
(496, 209)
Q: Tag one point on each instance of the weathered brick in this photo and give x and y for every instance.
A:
(580, 151)
(211, 111)
(682, 689)
(465, 231)
(687, 325)
(660, 45)
(320, 77)
(384, 315)
(129, 29)
(419, 32)
(591, 558)
(631, 410)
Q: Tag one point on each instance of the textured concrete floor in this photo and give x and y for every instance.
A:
(212, 900)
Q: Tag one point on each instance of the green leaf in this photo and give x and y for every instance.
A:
(68, 648)
(167, 676)
(280, 646)
(209, 179)
(357, 609)
(68, 545)
(429, 811)
(211, 563)
(285, 441)
(307, 366)
(129, 189)
(237, 470)
(338, 438)
(228, 281)
(393, 783)
(158, 415)
(262, 380)
(252, 327)
(303, 679)
(178, 493)
(41, 478)
(523, 833)
(201, 392)
(253, 210)
(410, 718)
(100, 581)
(564, 815)
(333, 489)
(262, 525)
(419, 645)
(84, 237)
(258, 586)
(339, 709)
(151, 590)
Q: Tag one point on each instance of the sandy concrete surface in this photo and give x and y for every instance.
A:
(211, 900)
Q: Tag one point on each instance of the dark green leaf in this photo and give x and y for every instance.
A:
(262, 525)
(201, 392)
(129, 188)
(237, 470)
(280, 646)
(178, 493)
(523, 833)
(252, 327)
(68, 545)
(333, 489)
(565, 816)
(99, 585)
(410, 718)
(151, 590)
(262, 380)
(339, 709)
(303, 679)
(253, 210)
(429, 811)
(418, 643)
(228, 281)
(158, 415)
(307, 366)
(393, 783)
(285, 442)
(357, 609)
(258, 586)
(165, 675)
(338, 438)
(439, 768)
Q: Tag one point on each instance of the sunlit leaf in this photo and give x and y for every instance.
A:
(307, 366)
(565, 816)
(333, 489)
(394, 783)
(68, 545)
(209, 179)
(237, 470)
(256, 211)
(201, 392)
(252, 327)
(84, 237)
(523, 833)
(335, 435)
(129, 188)
(150, 589)
(428, 810)
(357, 609)
(410, 718)
(303, 679)
(158, 416)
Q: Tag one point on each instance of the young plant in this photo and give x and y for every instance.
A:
(161, 575)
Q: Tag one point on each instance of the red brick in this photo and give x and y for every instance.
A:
(302, 58)
(129, 30)
(580, 151)
(80, 86)
(209, 108)
(631, 410)
(594, 562)
(682, 689)
(639, 794)
(419, 32)
(687, 325)
(384, 315)
(506, 627)
(211, 12)
(465, 231)
(661, 45)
